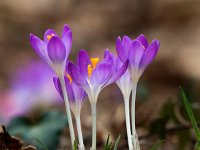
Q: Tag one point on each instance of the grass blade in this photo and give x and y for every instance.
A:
(155, 146)
(117, 142)
(190, 114)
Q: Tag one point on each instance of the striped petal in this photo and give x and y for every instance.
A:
(56, 50)
(101, 74)
(136, 52)
(149, 54)
(122, 48)
(67, 39)
(83, 62)
(143, 40)
(76, 75)
(40, 47)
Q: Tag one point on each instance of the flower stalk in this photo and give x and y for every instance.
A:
(69, 117)
(94, 124)
(134, 134)
(128, 126)
(79, 130)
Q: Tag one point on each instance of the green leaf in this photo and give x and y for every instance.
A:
(42, 144)
(190, 114)
(155, 146)
(117, 142)
(47, 128)
(75, 145)
(197, 146)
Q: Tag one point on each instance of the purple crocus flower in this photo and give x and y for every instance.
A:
(53, 49)
(139, 53)
(93, 75)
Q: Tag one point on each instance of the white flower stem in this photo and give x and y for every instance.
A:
(128, 126)
(80, 135)
(69, 117)
(93, 109)
(134, 134)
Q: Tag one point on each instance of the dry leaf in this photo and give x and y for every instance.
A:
(8, 142)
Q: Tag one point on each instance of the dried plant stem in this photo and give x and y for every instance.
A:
(80, 135)
(128, 125)
(69, 117)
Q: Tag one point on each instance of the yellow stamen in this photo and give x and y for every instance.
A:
(69, 78)
(50, 36)
(94, 62)
(90, 68)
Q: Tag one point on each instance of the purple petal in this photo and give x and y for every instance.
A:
(143, 40)
(118, 63)
(84, 61)
(49, 32)
(56, 50)
(70, 92)
(79, 93)
(118, 74)
(149, 54)
(67, 39)
(101, 74)
(122, 47)
(76, 75)
(135, 53)
(57, 86)
(40, 47)
(110, 58)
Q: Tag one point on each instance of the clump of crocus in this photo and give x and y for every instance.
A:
(55, 50)
(93, 75)
(139, 54)
(76, 95)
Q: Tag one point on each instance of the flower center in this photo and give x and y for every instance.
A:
(69, 78)
(50, 36)
(94, 62)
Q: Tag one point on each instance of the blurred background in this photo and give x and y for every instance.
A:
(27, 95)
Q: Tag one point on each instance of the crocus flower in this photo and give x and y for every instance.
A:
(76, 96)
(93, 75)
(139, 54)
(53, 49)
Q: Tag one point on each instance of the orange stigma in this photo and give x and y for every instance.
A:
(50, 36)
(94, 62)
(69, 78)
